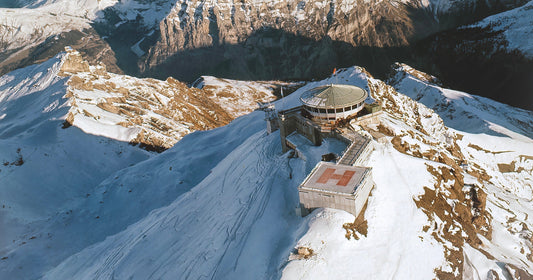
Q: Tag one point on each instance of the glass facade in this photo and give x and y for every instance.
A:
(332, 110)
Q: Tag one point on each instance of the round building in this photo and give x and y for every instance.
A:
(333, 102)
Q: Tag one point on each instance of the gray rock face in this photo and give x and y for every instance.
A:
(328, 31)
(199, 24)
(88, 42)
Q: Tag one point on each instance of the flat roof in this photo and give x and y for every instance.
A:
(298, 140)
(333, 96)
(335, 178)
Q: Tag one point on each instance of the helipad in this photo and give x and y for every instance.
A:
(336, 186)
(335, 178)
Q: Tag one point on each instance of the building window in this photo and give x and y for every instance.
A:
(322, 111)
(331, 111)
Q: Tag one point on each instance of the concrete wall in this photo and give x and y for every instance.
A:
(293, 121)
(272, 125)
(373, 118)
(310, 200)
(362, 194)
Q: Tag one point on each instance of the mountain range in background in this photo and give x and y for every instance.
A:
(284, 40)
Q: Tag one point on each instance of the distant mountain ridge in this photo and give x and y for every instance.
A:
(270, 40)
(241, 37)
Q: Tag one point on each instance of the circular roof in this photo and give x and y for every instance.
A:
(333, 96)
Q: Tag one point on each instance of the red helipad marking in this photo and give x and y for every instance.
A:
(329, 174)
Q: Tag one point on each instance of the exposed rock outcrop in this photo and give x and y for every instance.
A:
(150, 112)
(250, 33)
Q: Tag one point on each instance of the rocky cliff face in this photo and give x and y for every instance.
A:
(262, 40)
(251, 33)
(199, 24)
(152, 113)
(259, 34)
(482, 55)
(495, 54)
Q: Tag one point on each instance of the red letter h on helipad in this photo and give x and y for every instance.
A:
(330, 174)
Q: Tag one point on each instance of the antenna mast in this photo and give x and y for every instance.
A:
(282, 99)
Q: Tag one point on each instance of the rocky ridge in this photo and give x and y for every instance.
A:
(153, 113)
(467, 194)
(327, 31)
(476, 197)
(464, 191)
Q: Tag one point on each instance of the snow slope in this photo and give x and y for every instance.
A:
(463, 111)
(240, 208)
(499, 139)
(54, 160)
(396, 246)
(220, 203)
(516, 27)
(44, 167)
(36, 130)
(32, 24)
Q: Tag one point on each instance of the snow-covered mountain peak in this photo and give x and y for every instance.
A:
(22, 28)
(460, 176)
(151, 112)
(515, 25)
(463, 111)
(450, 200)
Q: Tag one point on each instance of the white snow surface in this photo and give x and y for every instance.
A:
(407, 251)
(32, 24)
(220, 203)
(463, 111)
(51, 198)
(505, 136)
(59, 166)
(240, 94)
(22, 28)
(517, 27)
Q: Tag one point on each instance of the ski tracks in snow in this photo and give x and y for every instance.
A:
(201, 235)
(267, 164)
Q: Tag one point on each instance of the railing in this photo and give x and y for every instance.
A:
(291, 110)
(366, 117)
(356, 147)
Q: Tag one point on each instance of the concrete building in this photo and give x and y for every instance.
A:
(326, 112)
(292, 121)
(271, 117)
(358, 150)
(336, 186)
(333, 102)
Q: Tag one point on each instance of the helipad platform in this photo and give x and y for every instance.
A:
(330, 177)
(336, 186)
